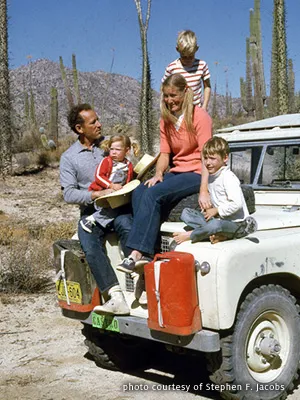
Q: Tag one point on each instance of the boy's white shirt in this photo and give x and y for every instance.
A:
(226, 195)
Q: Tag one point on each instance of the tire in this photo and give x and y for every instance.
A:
(114, 351)
(192, 202)
(268, 320)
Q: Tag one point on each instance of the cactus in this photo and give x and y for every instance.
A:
(279, 77)
(146, 125)
(26, 109)
(256, 67)
(5, 107)
(54, 116)
(259, 50)
(75, 78)
(246, 86)
(214, 113)
(273, 106)
(291, 86)
(32, 111)
(66, 85)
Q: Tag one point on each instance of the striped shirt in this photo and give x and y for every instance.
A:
(194, 76)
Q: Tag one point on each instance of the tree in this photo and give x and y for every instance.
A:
(5, 107)
(146, 106)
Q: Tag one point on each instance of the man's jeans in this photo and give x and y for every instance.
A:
(152, 205)
(204, 229)
(93, 245)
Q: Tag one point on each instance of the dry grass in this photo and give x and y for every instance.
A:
(27, 264)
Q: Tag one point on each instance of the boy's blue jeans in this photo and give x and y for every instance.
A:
(203, 229)
(152, 205)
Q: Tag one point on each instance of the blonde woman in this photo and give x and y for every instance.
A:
(184, 128)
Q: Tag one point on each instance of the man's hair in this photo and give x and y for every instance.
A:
(216, 145)
(187, 43)
(74, 117)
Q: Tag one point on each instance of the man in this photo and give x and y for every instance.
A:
(77, 169)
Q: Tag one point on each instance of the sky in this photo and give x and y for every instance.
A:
(104, 35)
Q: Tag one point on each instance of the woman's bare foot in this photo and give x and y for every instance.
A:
(180, 237)
(218, 237)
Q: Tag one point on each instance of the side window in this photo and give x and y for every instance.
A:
(281, 163)
(240, 164)
(244, 163)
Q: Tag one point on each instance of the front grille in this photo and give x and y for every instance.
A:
(165, 243)
(129, 283)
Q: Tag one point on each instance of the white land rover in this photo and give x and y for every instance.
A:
(237, 300)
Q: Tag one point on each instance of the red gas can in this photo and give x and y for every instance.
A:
(172, 294)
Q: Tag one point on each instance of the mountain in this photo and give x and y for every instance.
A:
(115, 97)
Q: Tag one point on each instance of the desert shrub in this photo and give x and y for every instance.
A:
(29, 141)
(44, 158)
(26, 267)
(27, 263)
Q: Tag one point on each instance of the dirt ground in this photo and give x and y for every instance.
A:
(42, 354)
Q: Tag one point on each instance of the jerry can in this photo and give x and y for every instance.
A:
(76, 289)
(172, 294)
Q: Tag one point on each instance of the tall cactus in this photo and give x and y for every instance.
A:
(246, 86)
(273, 102)
(75, 79)
(214, 112)
(146, 106)
(5, 108)
(279, 78)
(256, 67)
(65, 81)
(54, 115)
(32, 112)
(26, 109)
(259, 50)
(291, 86)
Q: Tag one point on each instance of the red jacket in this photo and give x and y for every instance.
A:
(104, 171)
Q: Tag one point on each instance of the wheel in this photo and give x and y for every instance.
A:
(192, 202)
(260, 359)
(114, 351)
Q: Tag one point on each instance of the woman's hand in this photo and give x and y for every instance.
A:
(153, 181)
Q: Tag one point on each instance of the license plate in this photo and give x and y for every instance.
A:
(74, 291)
(107, 322)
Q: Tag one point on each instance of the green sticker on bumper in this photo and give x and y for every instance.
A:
(107, 322)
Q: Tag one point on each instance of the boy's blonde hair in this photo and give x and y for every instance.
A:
(216, 145)
(187, 43)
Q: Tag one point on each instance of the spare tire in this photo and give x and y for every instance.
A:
(192, 202)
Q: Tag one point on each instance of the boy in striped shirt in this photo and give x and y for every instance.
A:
(195, 71)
